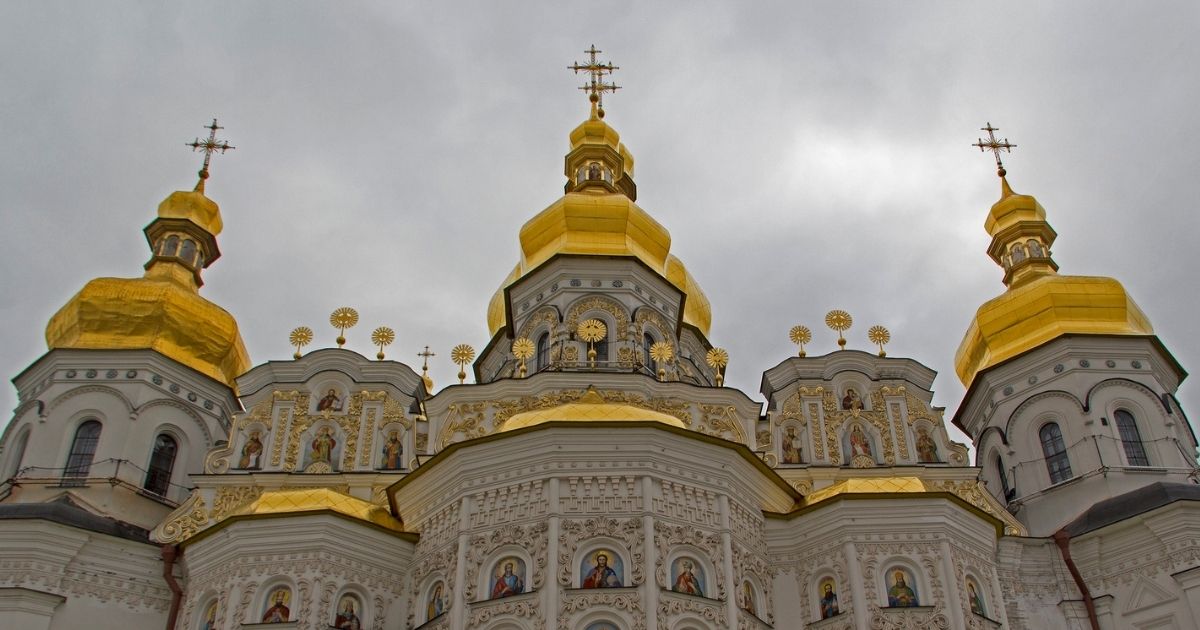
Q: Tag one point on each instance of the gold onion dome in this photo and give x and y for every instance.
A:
(1039, 305)
(591, 407)
(163, 310)
(598, 217)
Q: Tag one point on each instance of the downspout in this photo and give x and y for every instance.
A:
(171, 553)
(1063, 540)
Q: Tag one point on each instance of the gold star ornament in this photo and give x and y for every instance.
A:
(879, 336)
(717, 359)
(800, 335)
(381, 337)
(301, 336)
(523, 349)
(840, 321)
(462, 354)
(341, 319)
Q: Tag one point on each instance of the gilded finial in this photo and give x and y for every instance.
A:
(879, 336)
(301, 336)
(523, 349)
(425, 354)
(840, 321)
(462, 354)
(208, 146)
(995, 146)
(381, 337)
(717, 359)
(341, 319)
(596, 87)
(800, 335)
(662, 353)
(591, 331)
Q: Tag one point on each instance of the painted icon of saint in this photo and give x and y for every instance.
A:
(748, 601)
(393, 452)
(323, 445)
(347, 616)
(791, 446)
(686, 580)
(601, 575)
(926, 447)
(210, 617)
(851, 400)
(330, 401)
(252, 452)
(510, 581)
(829, 602)
(436, 604)
(976, 600)
(859, 443)
(279, 611)
(901, 595)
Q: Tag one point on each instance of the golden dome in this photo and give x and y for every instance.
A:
(591, 407)
(319, 500)
(1040, 305)
(601, 220)
(163, 310)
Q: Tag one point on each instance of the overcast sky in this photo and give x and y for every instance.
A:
(804, 157)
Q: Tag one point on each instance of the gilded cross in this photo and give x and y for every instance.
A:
(596, 87)
(208, 146)
(995, 146)
(425, 354)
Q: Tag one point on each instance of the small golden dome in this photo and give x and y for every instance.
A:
(194, 206)
(1042, 309)
(591, 407)
(319, 500)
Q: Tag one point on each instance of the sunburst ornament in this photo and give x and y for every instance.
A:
(301, 336)
(382, 336)
(661, 353)
(879, 336)
(840, 321)
(462, 354)
(800, 335)
(523, 349)
(592, 331)
(717, 359)
(341, 319)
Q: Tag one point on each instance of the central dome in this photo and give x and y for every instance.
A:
(598, 217)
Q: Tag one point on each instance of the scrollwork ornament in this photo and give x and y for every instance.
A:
(183, 523)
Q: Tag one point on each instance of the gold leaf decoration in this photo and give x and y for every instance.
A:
(717, 358)
(523, 348)
(592, 330)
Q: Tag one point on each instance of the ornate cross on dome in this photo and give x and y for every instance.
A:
(596, 87)
(995, 146)
(425, 354)
(208, 146)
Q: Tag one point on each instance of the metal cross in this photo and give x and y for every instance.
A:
(995, 146)
(596, 87)
(209, 145)
(425, 355)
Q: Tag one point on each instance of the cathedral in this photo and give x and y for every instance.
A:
(590, 470)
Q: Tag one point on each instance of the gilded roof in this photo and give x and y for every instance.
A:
(319, 500)
(591, 407)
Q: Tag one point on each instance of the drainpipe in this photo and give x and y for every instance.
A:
(171, 553)
(1063, 540)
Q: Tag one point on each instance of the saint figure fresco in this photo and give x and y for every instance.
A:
(252, 452)
(749, 602)
(598, 571)
(330, 401)
(860, 444)
(278, 612)
(347, 616)
(437, 602)
(686, 577)
(975, 599)
(393, 452)
(829, 602)
(508, 578)
(926, 447)
(791, 446)
(901, 594)
(851, 400)
(323, 445)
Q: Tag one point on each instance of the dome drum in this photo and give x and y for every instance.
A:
(598, 166)
(1022, 245)
(181, 241)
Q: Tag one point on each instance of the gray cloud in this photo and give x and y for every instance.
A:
(804, 157)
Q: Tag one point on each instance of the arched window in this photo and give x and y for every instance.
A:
(647, 341)
(1004, 487)
(171, 246)
(83, 449)
(543, 352)
(1055, 451)
(1135, 451)
(162, 461)
(1035, 248)
(188, 251)
(1018, 253)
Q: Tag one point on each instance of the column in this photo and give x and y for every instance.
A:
(731, 589)
(954, 603)
(458, 612)
(650, 587)
(550, 601)
(858, 584)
